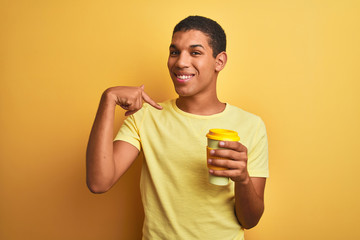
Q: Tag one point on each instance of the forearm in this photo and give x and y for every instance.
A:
(249, 206)
(100, 166)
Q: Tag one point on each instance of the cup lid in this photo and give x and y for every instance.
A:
(223, 135)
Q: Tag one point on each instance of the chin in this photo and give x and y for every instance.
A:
(183, 93)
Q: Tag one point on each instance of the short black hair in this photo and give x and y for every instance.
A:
(217, 37)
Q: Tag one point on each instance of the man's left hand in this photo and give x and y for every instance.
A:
(235, 162)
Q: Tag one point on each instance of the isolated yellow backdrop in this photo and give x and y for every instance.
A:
(294, 63)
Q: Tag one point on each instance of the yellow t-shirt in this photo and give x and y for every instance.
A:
(179, 202)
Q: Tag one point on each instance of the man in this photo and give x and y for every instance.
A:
(179, 202)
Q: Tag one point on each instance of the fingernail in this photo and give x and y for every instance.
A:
(209, 160)
(212, 152)
(221, 144)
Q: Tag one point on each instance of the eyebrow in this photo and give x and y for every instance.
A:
(191, 46)
(197, 45)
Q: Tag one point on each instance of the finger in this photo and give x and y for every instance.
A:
(228, 154)
(237, 146)
(139, 101)
(228, 164)
(225, 173)
(127, 113)
(234, 174)
(147, 99)
(125, 105)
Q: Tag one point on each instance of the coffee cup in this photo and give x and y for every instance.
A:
(214, 136)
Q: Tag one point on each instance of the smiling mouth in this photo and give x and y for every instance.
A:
(184, 77)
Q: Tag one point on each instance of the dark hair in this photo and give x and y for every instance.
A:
(217, 37)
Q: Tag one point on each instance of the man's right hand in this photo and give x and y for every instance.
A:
(107, 160)
(130, 98)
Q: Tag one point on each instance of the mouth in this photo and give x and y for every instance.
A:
(182, 78)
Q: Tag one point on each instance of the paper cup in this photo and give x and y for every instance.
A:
(214, 137)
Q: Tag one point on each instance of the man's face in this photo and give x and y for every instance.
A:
(191, 64)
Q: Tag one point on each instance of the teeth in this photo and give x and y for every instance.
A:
(184, 76)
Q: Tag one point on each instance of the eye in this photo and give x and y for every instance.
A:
(196, 53)
(174, 52)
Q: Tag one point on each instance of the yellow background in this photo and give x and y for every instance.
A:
(294, 63)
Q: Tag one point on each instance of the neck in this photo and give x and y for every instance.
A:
(200, 105)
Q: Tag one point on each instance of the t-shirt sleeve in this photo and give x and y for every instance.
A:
(258, 156)
(129, 132)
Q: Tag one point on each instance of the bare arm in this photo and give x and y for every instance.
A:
(249, 201)
(249, 191)
(106, 160)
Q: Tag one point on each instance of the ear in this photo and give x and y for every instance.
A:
(220, 61)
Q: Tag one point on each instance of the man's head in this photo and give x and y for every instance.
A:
(196, 56)
(215, 33)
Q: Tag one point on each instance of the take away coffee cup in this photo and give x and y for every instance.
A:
(214, 136)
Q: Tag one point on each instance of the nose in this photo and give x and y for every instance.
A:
(183, 60)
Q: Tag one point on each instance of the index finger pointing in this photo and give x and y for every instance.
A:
(147, 99)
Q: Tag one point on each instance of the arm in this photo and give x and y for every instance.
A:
(249, 201)
(249, 191)
(106, 160)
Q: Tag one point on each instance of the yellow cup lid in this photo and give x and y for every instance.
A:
(223, 135)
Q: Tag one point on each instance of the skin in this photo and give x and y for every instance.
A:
(191, 55)
(107, 161)
(194, 72)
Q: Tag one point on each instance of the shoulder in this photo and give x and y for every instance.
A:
(237, 112)
(246, 121)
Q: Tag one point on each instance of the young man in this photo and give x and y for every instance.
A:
(179, 202)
